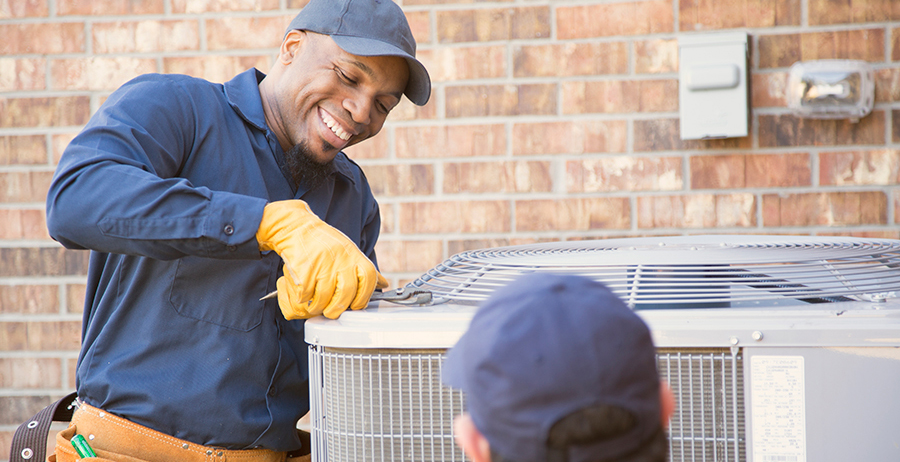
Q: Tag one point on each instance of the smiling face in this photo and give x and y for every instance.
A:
(327, 98)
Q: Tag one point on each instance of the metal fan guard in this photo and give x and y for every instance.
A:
(707, 271)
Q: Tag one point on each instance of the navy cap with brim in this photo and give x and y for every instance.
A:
(368, 28)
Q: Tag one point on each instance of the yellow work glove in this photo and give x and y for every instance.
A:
(324, 271)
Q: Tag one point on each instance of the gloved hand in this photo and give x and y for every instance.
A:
(324, 271)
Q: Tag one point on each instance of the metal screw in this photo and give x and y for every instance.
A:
(757, 335)
(209, 452)
(91, 437)
(734, 340)
(184, 446)
(220, 453)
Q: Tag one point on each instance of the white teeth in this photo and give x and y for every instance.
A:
(335, 127)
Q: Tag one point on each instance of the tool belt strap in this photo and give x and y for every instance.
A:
(29, 443)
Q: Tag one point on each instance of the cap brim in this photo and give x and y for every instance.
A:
(418, 88)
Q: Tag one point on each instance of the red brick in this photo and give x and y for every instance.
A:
(895, 125)
(75, 294)
(656, 56)
(17, 409)
(624, 173)
(895, 44)
(97, 73)
(482, 25)
(145, 36)
(408, 256)
(406, 110)
(458, 246)
(570, 59)
(787, 130)
(40, 335)
(23, 150)
(784, 50)
(713, 14)
(880, 167)
(445, 2)
(750, 171)
(603, 20)
(573, 214)
(23, 224)
(401, 180)
(215, 68)
(451, 141)
(825, 209)
(205, 6)
(58, 145)
(388, 221)
(22, 74)
(30, 373)
(697, 211)
(768, 90)
(506, 177)
(617, 96)
(230, 33)
(41, 38)
(778, 170)
(44, 112)
(47, 261)
(571, 137)
(29, 299)
(887, 85)
(24, 186)
(455, 217)
(467, 63)
(376, 147)
(500, 100)
(420, 25)
(874, 234)
(23, 9)
(110, 7)
(665, 135)
(842, 12)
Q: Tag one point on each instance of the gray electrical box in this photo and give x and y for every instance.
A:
(712, 85)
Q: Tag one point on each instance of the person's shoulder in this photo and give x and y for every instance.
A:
(350, 169)
(171, 80)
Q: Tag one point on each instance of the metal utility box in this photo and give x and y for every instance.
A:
(713, 91)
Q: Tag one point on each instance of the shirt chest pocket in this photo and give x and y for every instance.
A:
(222, 292)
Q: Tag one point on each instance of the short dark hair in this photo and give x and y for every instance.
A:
(594, 424)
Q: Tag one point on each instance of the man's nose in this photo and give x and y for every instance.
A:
(360, 108)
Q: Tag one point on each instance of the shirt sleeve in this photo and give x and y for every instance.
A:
(117, 187)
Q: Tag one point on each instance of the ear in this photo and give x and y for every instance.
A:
(472, 442)
(666, 402)
(289, 46)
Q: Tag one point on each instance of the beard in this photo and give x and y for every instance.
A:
(306, 169)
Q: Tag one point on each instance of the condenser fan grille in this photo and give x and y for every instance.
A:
(689, 271)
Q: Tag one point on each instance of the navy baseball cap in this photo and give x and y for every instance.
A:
(368, 28)
(545, 346)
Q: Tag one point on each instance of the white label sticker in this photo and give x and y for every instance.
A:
(778, 409)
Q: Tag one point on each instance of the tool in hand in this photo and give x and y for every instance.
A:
(402, 296)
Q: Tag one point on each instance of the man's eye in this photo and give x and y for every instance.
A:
(343, 76)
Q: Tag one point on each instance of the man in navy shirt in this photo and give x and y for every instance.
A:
(196, 200)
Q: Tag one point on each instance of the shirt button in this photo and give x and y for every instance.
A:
(232, 248)
(229, 230)
(272, 391)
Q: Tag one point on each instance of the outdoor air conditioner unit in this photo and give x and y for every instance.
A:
(778, 348)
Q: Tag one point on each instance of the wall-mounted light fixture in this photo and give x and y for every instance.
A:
(831, 89)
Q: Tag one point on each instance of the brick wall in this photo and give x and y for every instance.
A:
(549, 120)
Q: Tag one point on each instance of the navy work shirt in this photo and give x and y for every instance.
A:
(166, 185)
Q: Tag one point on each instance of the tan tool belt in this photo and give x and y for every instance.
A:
(116, 439)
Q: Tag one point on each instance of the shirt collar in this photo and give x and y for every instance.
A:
(242, 93)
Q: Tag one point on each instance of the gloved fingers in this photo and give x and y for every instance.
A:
(368, 278)
(382, 282)
(288, 300)
(325, 291)
(344, 293)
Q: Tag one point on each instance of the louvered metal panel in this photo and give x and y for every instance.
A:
(390, 405)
